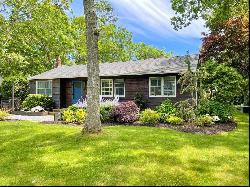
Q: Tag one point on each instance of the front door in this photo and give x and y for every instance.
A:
(77, 89)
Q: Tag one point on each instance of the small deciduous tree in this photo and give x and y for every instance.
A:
(188, 82)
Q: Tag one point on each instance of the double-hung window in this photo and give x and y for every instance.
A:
(107, 87)
(119, 87)
(169, 86)
(162, 86)
(44, 87)
(155, 86)
(110, 87)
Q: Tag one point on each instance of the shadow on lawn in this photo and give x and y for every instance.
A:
(102, 165)
(118, 156)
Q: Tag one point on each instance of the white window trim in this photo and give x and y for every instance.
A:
(112, 88)
(44, 81)
(162, 87)
(123, 88)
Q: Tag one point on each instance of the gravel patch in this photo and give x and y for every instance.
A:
(31, 118)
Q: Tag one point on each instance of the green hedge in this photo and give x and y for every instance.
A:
(34, 100)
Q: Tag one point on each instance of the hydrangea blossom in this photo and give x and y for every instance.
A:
(82, 103)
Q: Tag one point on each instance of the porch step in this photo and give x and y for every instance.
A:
(59, 110)
(52, 113)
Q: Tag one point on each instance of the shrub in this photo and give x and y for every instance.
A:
(106, 113)
(73, 108)
(140, 101)
(185, 110)
(3, 115)
(172, 119)
(34, 100)
(204, 120)
(149, 116)
(68, 116)
(74, 115)
(126, 112)
(80, 115)
(227, 83)
(166, 107)
(216, 108)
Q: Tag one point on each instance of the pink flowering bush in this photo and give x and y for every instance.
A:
(126, 112)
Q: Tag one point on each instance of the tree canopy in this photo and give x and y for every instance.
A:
(229, 44)
(33, 33)
(213, 12)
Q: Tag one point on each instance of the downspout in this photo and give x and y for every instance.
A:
(196, 90)
(196, 93)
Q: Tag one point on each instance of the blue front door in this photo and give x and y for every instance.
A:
(77, 89)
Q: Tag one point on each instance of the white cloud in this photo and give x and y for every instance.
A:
(153, 16)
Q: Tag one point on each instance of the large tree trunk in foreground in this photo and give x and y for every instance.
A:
(93, 123)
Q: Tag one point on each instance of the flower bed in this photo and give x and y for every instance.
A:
(210, 117)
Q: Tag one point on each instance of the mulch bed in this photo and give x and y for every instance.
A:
(217, 128)
(58, 123)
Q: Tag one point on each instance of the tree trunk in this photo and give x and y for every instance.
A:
(93, 122)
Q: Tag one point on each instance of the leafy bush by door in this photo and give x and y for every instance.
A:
(74, 115)
(34, 100)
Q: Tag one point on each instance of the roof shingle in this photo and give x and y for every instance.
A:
(141, 67)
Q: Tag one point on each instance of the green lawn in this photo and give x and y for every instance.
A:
(33, 154)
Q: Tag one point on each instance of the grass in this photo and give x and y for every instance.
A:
(34, 154)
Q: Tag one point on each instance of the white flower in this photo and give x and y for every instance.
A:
(216, 118)
(37, 109)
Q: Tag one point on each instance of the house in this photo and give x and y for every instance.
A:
(155, 79)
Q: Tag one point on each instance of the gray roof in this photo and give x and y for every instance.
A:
(142, 67)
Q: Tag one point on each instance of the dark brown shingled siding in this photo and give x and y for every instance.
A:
(56, 93)
(140, 84)
(32, 85)
(133, 84)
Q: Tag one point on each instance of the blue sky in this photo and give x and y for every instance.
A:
(149, 21)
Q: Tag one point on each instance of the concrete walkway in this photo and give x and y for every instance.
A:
(32, 118)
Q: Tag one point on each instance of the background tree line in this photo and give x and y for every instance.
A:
(34, 33)
(224, 47)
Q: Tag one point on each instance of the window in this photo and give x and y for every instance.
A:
(169, 86)
(44, 87)
(119, 87)
(162, 86)
(155, 86)
(107, 87)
